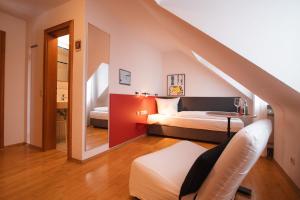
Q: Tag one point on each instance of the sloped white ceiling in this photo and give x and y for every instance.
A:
(265, 32)
(224, 76)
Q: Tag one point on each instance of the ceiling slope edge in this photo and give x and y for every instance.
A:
(231, 63)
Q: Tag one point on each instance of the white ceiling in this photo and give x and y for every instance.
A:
(27, 9)
(224, 76)
(264, 32)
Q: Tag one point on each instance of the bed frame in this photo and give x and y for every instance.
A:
(196, 104)
(99, 123)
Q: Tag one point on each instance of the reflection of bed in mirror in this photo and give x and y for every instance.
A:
(97, 131)
(99, 117)
(97, 89)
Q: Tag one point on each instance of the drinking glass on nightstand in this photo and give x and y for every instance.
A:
(237, 102)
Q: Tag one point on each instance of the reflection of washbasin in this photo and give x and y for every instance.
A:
(61, 104)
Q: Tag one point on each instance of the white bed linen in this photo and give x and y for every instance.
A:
(99, 115)
(196, 120)
(152, 177)
(102, 109)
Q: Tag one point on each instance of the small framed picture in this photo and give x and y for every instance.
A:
(124, 77)
(176, 84)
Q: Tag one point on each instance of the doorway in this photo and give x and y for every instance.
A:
(2, 70)
(57, 98)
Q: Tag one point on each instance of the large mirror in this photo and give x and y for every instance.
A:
(97, 95)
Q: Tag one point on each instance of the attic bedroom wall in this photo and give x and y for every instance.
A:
(72, 10)
(199, 80)
(137, 44)
(127, 51)
(133, 49)
(15, 79)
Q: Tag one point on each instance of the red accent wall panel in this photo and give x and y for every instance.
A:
(123, 121)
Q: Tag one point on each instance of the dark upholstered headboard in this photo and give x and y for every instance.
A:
(206, 104)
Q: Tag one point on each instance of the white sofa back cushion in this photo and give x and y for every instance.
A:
(167, 106)
(235, 162)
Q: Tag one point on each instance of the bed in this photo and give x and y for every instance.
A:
(99, 117)
(196, 120)
(192, 121)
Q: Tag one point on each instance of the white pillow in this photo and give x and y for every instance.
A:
(167, 106)
(101, 109)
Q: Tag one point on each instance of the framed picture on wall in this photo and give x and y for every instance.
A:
(176, 84)
(124, 77)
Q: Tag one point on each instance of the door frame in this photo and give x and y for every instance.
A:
(2, 83)
(56, 31)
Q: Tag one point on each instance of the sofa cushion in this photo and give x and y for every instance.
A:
(159, 175)
(200, 169)
(235, 162)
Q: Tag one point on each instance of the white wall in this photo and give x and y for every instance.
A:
(15, 79)
(142, 60)
(200, 81)
(98, 47)
(127, 51)
(101, 80)
(72, 10)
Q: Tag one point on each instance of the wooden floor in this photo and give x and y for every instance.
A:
(95, 137)
(62, 146)
(26, 173)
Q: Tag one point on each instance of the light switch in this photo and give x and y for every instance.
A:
(142, 112)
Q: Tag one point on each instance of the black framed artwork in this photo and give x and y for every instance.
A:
(176, 84)
(124, 77)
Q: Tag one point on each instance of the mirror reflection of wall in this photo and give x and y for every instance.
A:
(97, 89)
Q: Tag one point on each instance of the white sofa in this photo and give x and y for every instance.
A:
(159, 175)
